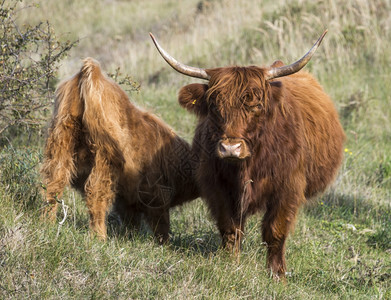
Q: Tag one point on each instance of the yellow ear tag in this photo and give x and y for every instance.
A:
(194, 101)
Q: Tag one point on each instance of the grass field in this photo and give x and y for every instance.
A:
(341, 245)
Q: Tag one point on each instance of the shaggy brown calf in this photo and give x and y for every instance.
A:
(107, 148)
(264, 145)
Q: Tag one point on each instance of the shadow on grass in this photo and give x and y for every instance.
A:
(186, 240)
(202, 243)
(357, 210)
(333, 205)
(117, 230)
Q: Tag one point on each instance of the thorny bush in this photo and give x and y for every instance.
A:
(29, 59)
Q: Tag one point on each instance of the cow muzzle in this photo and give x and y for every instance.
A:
(232, 149)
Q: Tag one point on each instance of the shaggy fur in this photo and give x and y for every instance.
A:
(108, 149)
(293, 141)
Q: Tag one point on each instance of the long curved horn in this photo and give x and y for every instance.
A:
(181, 68)
(296, 66)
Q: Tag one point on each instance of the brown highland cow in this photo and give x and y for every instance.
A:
(108, 149)
(265, 144)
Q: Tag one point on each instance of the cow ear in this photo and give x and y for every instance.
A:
(192, 97)
(277, 64)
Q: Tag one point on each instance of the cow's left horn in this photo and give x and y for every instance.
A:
(296, 66)
(181, 68)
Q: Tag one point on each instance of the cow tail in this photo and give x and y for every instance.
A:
(96, 93)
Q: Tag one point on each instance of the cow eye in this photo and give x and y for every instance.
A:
(245, 99)
(256, 107)
(253, 107)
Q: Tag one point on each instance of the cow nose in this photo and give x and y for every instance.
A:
(230, 150)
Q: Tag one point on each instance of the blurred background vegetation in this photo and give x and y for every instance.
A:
(341, 247)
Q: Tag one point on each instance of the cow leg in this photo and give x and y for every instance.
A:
(159, 221)
(56, 174)
(50, 210)
(99, 194)
(232, 236)
(276, 225)
(231, 226)
(129, 215)
(58, 166)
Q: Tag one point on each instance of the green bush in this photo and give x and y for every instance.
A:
(20, 177)
(29, 59)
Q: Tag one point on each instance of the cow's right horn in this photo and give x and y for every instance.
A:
(181, 68)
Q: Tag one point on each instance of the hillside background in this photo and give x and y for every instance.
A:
(341, 246)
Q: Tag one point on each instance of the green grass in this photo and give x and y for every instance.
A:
(341, 246)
